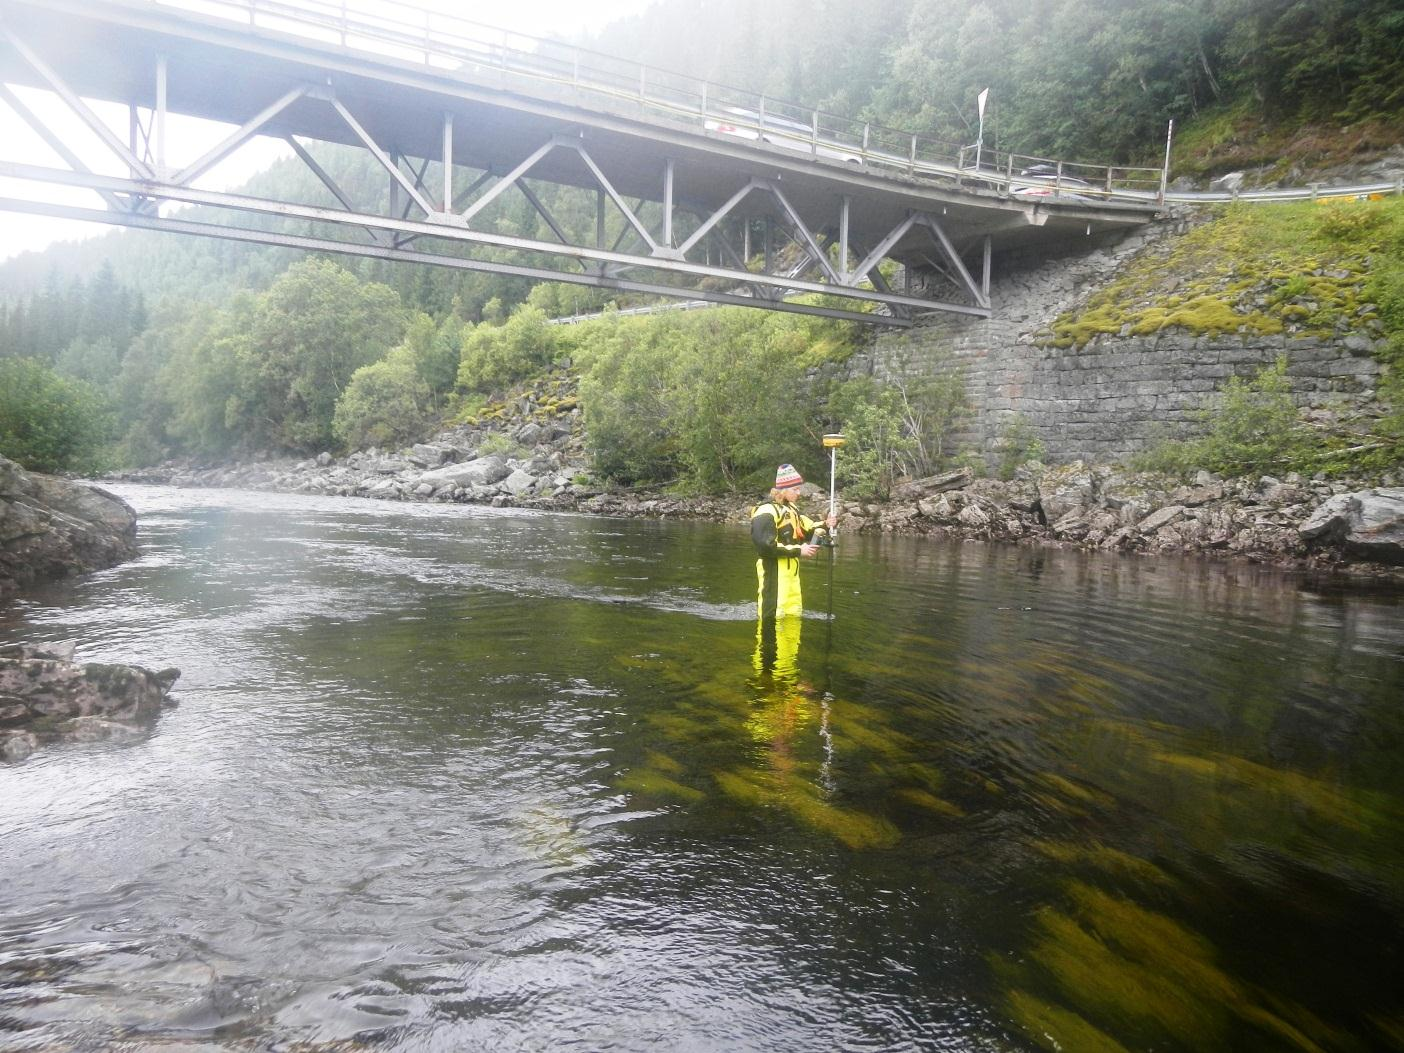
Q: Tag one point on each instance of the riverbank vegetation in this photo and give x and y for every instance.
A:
(138, 346)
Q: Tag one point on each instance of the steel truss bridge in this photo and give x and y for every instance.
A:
(697, 191)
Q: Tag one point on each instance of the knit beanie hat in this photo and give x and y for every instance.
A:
(786, 477)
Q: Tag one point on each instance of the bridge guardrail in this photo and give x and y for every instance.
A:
(451, 44)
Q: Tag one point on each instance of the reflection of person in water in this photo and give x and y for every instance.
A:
(781, 536)
(782, 704)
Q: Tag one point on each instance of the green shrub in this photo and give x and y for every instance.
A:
(930, 408)
(385, 404)
(495, 356)
(1252, 426)
(51, 423)
(713, 400)
(877, 448)
(1386, 289)
(496, 443)
(1017, 445)
(1350, 221)
(435, 350)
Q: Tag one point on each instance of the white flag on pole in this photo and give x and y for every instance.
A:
(980, 101)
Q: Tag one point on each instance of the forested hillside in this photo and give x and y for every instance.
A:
(152, 345)
(1093, 80)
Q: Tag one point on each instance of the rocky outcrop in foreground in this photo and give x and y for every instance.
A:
(52, 527)
(46, 695)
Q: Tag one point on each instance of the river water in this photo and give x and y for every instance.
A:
(448, 778)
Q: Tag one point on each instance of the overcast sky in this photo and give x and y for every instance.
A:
(191, 138)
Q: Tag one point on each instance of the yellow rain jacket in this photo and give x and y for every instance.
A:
(778, 531)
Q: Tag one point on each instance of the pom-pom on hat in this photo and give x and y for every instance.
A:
(786, 477)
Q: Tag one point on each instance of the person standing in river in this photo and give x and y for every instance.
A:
(782, 536)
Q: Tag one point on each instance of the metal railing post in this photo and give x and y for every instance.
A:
(1165, 168)
(867, 128)
(911, 160)
(814, 136)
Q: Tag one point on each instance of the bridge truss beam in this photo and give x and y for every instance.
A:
(685, 251)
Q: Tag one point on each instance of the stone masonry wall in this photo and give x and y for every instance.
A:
(1114, 395)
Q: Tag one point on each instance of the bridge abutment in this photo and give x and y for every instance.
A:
(1115, 394)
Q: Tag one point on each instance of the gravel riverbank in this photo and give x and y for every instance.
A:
(541, 463)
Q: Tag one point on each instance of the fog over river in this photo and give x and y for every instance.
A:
(457, 778)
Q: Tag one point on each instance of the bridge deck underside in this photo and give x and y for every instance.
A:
(225, 73)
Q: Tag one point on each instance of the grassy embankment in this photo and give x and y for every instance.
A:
(1327, 269)
(1240, 138)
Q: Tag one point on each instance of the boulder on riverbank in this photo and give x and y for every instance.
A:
(1368, 523)
(52, 527)
(44, 694)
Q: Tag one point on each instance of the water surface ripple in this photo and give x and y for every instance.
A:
(466, 779)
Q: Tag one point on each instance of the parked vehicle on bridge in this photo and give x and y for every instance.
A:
(777, 131)
(1044, 181)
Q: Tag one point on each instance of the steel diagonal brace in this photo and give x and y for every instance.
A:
(653, 247)
(243, 204)
(380, 156)
(717, 216)
(624, 232)
(77, 105)
(757, 291)
(330, 184)
(804, 233)
(238, 138)
(806, 260)
(57, 145)
(459, 200)
(872, 259)
(306, 242)
(419, 182)
(511, 177)
(943, 271)
(970, 284)
(543, 211)
(881, 285)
